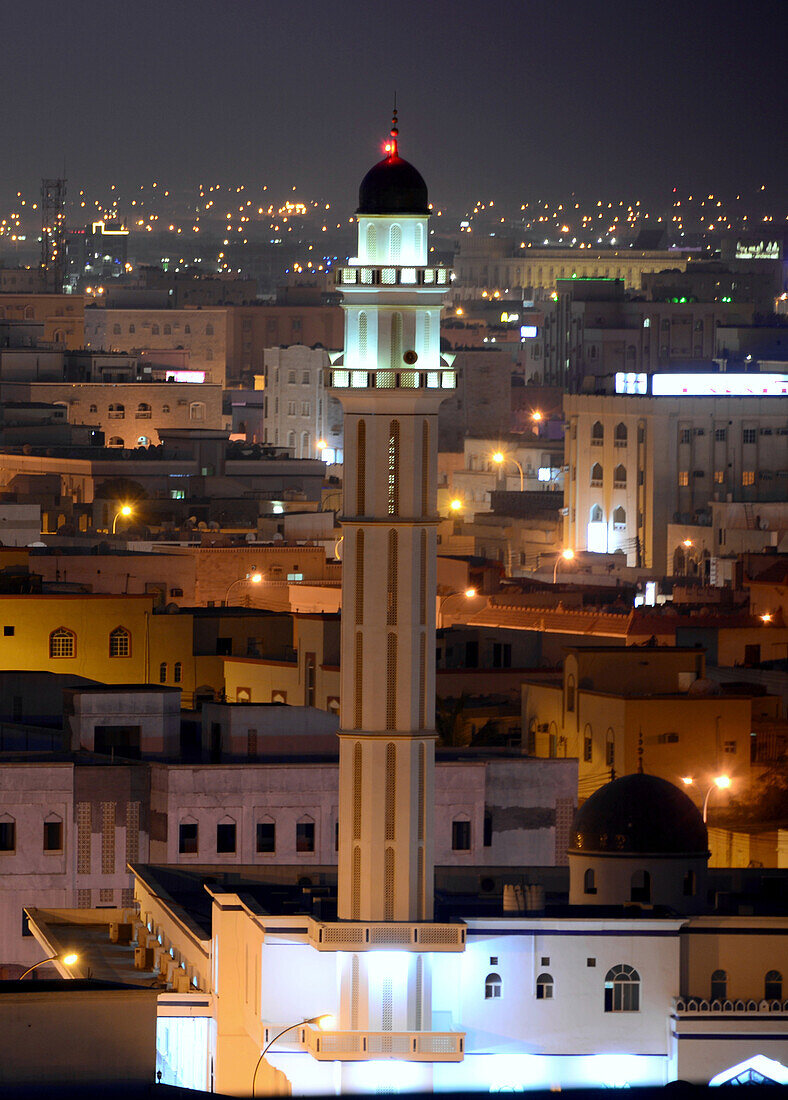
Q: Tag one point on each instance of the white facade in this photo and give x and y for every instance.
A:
(299, 412)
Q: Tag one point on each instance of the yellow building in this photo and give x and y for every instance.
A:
(614, 708)
(62, 315)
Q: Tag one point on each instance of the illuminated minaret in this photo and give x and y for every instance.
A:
(391, 382)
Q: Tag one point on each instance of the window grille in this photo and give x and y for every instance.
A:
(419, 991)
(357, 790)
(120, 643)
(396, 341)
(391, 791)
(391, 580)
(354, 984)
(393, 481)
(359, 677)
(359, 578)
(388, 885)
(84, 827)
(391, 682)
(421, 791)
(425, 467)
(362, 336)
(423, 578)
(355, 899)
(62, 643)
(422, 683)
(83, 899)
(395, 244)
(361, 462)
(372, 244)
(421, 883)
(107, 838)
(132, 832)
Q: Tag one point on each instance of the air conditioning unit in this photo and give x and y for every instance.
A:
(180, 981)
(143, 958)
(120, 933)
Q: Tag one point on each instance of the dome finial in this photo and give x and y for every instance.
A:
(394, 130)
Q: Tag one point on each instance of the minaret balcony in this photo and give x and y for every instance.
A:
(406, 1046)
(365, 275)
(360, 936)
(340, 378)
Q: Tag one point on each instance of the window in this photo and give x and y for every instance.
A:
(163, 672)
(748, 477)
(8, 631)
(610, 749)
(266, 836)
(719, 477)
(773, 986)
(197, 410)
(461, 836)
(94, 408)
(570, 694)
(188, 838)
(305, 836)
(187, 329)
(305, 378)
(597, 434)
(120, 642)
(492, 987)
(596, 474)
(132, 329)
(729, 747)
(720, 434)
(488, 829)
(620, 435)
(117, 412)
(719, 985)
(7, 835)
(640, 886)
(62, 643)
(619, 519)
(589, 881)
(53, 836)
(685, 435)
(749, 435)
(176, 669)
(168, 330)
(588, 745)
(544, 987)
(622, 989)
(209, 329)
(116, 330)
(683, 477)
(225, 838)
(689, 884)
(154, 330)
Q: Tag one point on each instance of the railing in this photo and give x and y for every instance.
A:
(342, 379)
(352, 936)
(393, 276)
(691, 1006)
(411, 1046)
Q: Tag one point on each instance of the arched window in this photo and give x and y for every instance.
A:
(596, 474)
(119, 642)
(177, 669)
(117, 412)
(773, 986)
(619, 477)
(679, 562)
(492, 987)
(163, 672)
(291, 440)
(619, 518)
(115, 441)
(570, 694)
(395, 244)
(589, 881)
(597, 515)
(165, 408)
(187, 329)
(62, 643)
(305, 445)
(610, 748)
(396, 341)
(640, 886)
(143, 410)
(197, 410)
(362, 337)
(209, 329)
(168, 330)
(588, 745)
(689, 884)
(209, 355)
(116, 330)
(622, 989)
(154, 330)
(620, 434)
(419, 242)
(94, 408)
(544, 987)
(372, 244)
(598, 432)
(719, 985)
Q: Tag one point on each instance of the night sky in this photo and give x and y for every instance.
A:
(504, 100)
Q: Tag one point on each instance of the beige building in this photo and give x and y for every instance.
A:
(638, 463)
(62, 315)
(202, 333)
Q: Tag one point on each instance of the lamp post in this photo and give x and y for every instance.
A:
(536, 420)
(252, 578)
(565, 555)
(499, 458)
(721, 783)
(323, 1022)
(67, 960)
(455, 505)
(468, 594)
(124, 510)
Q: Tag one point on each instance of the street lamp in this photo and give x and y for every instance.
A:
(565, 555)
(455, 505)
(324, 1022)
(766, 617)
(721, 783)
(124, 510)
(687, 544)
(467, 594)
(67, 960)
(536, 420)
(499, 458)
(252, 578)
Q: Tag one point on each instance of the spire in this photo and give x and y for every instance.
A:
(394, 131)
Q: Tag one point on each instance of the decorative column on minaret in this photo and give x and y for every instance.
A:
(391, 382)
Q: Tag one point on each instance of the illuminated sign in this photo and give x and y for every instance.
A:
(527, 332)
(719, 385)
(762, 250)
(185, 375)
(631, 383)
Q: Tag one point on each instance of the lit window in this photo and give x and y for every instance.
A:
(163, 672)
(62, 643)
(120, 643)
(177, 669)
(719, 477)
(622, 989)
(748, 477)
(492, 987)
(544, 987)
(684, 477)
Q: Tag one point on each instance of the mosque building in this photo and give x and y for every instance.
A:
(643, 968)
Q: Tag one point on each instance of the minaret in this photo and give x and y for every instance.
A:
(391, 382)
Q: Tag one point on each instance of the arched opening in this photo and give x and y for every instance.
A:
(719, 985)
(640, 886)
(544, 987)
(492, 987)
(622, 989)
(589, 881)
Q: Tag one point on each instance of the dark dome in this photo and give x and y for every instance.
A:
(639, 813)
(392, 186)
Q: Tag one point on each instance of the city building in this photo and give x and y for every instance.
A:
(300, 413)
(60, 317)
(201, 334)
(253, 328)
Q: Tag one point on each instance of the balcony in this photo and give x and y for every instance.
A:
(351, 936)
(699, 1006)
(409, 1046)
(393, 276)
(341, 379)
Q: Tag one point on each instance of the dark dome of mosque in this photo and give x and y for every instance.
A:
(392, 186)
(642, 814)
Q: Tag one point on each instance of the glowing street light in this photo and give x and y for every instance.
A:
(456, 505)
(251, 578)
(325, 1023)
(565, 555)
(321, 444)
(125, 510)
(499, 458)
(68, 959)
(720, 783)
(766, 617)
(687, 543)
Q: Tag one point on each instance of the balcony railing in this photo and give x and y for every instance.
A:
(360, 936)
(694, 1006)
(409, 1046)
(393, 276)
(342, 379)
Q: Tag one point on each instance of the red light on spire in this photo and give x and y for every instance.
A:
(391, 147)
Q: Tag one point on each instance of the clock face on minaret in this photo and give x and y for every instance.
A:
(391, 381)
